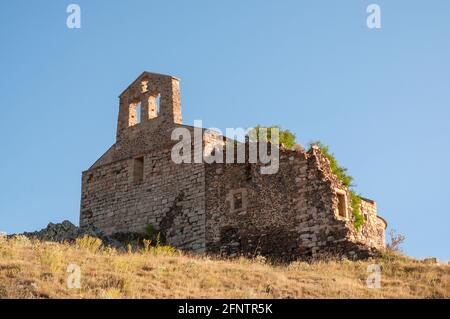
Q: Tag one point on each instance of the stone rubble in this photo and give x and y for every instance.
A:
(68, 232)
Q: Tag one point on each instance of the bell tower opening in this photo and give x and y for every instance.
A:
(154, 105)
(151, 97)
(135, 114)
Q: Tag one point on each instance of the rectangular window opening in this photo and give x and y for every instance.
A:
(153, 106)
(138, 170)
(138, 113)
(342, 207)
(158, 99)
(237, 201)
(135, 114)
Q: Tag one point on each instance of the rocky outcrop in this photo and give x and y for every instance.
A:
(68, 232)
(60, 232)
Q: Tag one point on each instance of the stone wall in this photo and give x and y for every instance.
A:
(170, 197)
(342, 236)
(289, 215)
(372, 231)
(264, 222)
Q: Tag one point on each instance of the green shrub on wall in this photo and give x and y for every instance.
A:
(356, 210)
(286, 137)
(346, 180)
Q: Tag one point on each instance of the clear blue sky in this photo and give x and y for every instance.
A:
(379, 98)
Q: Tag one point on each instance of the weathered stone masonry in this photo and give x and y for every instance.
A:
(167, 194)
(286, 215)
(301, 212)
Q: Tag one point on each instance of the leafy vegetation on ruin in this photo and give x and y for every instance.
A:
(286, 138)
(346, 180)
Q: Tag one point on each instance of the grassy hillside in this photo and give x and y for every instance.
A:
(33, 269)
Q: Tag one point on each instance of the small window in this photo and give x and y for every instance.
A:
(365, 216)
(158, 101)
(138, 170)
(153, 106)
(342, 205)
(237, 200)
(135, 114)
(138, 112)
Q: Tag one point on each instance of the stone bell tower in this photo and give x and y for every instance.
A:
(152, 99)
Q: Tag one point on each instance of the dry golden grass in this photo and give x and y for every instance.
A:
(33, 269)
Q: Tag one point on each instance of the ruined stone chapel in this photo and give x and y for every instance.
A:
(301, 212)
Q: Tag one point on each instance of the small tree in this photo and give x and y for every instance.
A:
(395, 241)
(286, 137)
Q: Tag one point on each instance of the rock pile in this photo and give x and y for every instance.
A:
(66, 231)
(60, 232)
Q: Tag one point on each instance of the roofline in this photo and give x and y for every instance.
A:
(149, 73)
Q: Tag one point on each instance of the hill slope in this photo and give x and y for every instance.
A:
(34, 269)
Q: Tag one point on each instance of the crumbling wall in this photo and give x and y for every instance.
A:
(373, 230)
(264, 220)
(289, 215)
(356, 242)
